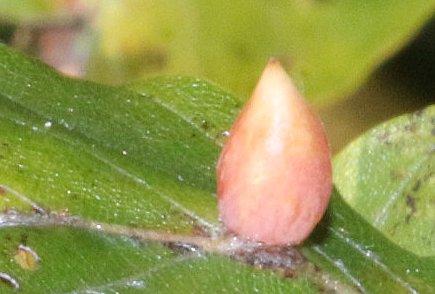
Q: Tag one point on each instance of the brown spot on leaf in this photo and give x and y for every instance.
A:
(384, 137)
(273, 257)
(2, 191)
(410, 202)
(27, 258)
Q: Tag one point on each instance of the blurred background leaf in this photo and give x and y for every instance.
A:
(329, 46)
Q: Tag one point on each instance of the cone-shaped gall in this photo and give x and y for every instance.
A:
(274, 172)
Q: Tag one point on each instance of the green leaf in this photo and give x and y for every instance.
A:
(124, 175)
(387, 175)
(345, 244)
(107, 156)
(138, 136)
(329, 47)
(72, 259)
(83, 262)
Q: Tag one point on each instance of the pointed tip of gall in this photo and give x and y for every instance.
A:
(274, 172)
(273, 61)
(275, 69)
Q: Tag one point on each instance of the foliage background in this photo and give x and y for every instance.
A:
(83, 149)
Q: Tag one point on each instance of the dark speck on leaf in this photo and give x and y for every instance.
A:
(410, 202)
(2, 191)
(205, 125)
(417, 186)
(384, 137)
(411, 128)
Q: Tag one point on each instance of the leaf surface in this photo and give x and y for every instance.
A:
(387, 175)
(88, 169)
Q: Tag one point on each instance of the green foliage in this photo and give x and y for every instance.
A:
(346, 244)
(387, 176)
(83, 262)
(143, 157)
(330, 47)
